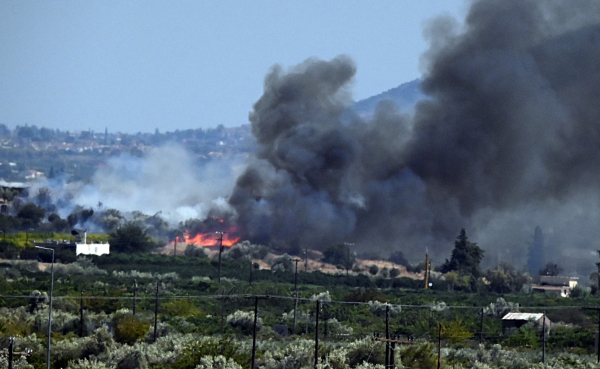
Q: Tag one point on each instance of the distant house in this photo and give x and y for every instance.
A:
(555, 285)
(8, 191)
(92, 248)
(513, 321)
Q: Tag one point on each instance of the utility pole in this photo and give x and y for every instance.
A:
(387, 335)
(427, 271)
(175, 246)
(254, 329)
(220, 252)
(296, 299)
(11, 348)
(317, 333)
(254, 332)
(544, 337)
(50, 305)
(598, 289)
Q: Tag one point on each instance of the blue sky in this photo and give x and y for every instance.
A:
(135, 66)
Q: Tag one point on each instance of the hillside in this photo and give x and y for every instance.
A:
(405, 97)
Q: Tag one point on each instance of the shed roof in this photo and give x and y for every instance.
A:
(549, 288)
(523, 316)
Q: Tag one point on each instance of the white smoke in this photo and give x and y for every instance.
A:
(165, 180)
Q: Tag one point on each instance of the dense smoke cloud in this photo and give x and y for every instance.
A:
(507, 139)
(509, 135)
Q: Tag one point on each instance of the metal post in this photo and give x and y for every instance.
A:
(296, 299)
(317, 334)
(254, 331)
(81, 315)
(387, 335)
(544, 337)
(11, 347)
(156, 311)
(134, 294)
(50, 306)
(220, 252)
(481, 328)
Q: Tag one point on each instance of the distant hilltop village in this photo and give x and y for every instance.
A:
(29, 152)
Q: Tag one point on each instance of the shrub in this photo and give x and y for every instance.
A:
(419, 356)
(394, 272)
(8, 250)
(579, 291)
(195, 251)
(379, 308)
(83, 266)
(366, 350)
(244, 320)
(283, 263)
(128, 328)
(86, 364)
(133, 360)
(194, 352)
(99, 342)
(523, 337)
(217, 362)
(37, 300)
(246, 250)
(455, 331)
(323, 297)
(373, 269)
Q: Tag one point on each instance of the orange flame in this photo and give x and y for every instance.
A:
(211, 239)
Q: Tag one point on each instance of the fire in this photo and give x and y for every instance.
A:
(211, 239)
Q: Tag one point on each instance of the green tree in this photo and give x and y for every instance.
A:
(551, 269)
(456, 331)
(30, 215)
(466, 257)
(506, 279)
(130, 238)
(339, 254)
(129, 329)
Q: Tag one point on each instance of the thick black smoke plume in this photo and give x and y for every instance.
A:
(509, 136)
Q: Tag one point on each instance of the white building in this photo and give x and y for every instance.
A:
(92, 248)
